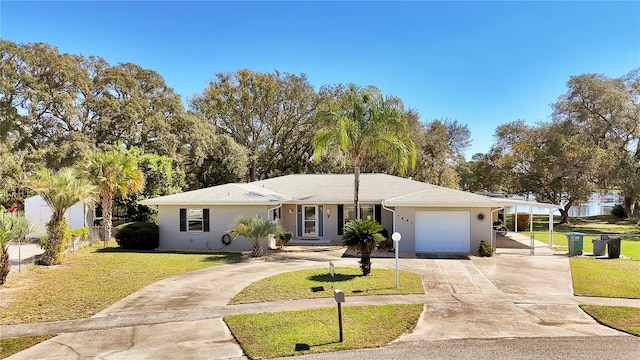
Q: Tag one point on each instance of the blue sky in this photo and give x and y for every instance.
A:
(482, 63)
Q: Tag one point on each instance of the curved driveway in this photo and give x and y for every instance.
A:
(505, 296)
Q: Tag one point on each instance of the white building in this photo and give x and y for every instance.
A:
(39, 213)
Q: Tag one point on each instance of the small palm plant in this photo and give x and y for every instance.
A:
(255, 229)
(13, 229)
(363, 236)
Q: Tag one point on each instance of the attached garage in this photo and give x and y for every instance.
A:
(442, 231)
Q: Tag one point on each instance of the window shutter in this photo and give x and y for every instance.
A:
(299, 215)
(320, 220)
(205, 219)
(378, 213)
(183, 219)
(340, 219)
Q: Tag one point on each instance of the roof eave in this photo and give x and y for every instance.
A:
(186, 203)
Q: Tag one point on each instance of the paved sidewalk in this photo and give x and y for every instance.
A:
(504, 296)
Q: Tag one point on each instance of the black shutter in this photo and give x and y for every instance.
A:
(183, 219)
(340, 219)
(320, 221)
(205, 219)
(299, 215)
(378, 213)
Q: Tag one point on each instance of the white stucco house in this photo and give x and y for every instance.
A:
(315, 207)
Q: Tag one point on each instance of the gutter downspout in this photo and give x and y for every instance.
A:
(493, 233)
(394, 220)
(272, 236)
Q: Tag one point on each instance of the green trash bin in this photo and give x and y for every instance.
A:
(575, 241)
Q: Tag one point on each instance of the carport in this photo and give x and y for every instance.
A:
(529, 205)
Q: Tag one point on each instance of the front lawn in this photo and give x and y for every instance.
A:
(618, 317)
(608, 278)
(14, 345)
(90, 280)
(269, 335)
(605, 277)
(316, 283)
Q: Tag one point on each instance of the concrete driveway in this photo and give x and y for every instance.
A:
(507, 296)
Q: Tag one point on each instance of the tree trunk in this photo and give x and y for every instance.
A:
(55, 244)
(257, 248)
(5, 264)
(356, 190)
(628, 202)
(107, 215)
(564, 213)
(365, 261)
(252, 169)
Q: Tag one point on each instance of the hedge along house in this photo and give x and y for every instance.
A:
(315, 208)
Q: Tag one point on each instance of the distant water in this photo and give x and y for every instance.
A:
(587, 209)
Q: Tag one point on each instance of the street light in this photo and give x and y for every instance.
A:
(396, 239)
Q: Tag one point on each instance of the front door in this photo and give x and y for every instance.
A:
(310, 220)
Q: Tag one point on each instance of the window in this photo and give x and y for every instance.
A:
(194, 220)
(347, 213)
(366, 212)
(309, 220)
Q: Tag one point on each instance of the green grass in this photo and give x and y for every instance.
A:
(269, 335)
(618, 317)
(316, 283)
(90, 280)
(13, 345)
(605, 277)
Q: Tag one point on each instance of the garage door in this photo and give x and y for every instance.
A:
(442, 231)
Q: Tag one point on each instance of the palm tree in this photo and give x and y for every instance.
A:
(363, 236)
(255, 229)
(114, 173)
(13, 228)
(363, 122)
(60, 190)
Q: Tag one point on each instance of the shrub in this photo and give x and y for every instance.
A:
(77, 236)
(522, 219)
(81, 234)
(138, 236)
(485, 249)
(283, 238)
(618, 211)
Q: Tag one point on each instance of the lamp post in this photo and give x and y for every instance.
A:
(396, 239)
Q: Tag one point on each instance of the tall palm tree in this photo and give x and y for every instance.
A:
(60, 190)
(361, 122)
(363, 236)
(114, 173)
(255, 229)
(13, 228)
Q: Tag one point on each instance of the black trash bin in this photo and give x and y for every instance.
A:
(613, 247)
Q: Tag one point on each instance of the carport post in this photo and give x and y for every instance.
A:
(533, 242)
(550, 227)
